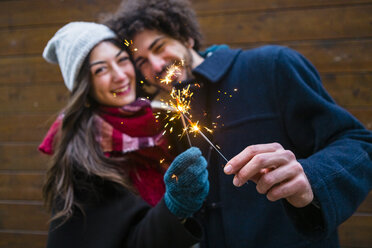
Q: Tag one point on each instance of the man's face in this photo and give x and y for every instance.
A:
(156, 52)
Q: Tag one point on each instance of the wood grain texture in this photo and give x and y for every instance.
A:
(13, 216)
(41, 12)
(336, 56)
(22, 157)
(288, 25)
(28, 70)
(356, 232)
(366, 206)
(21, 240)
(21, 186)
(268, 27)
(24, 127)
(335, 35)
(33, 99)
(364, 115)
(215, 7)
(350, 89)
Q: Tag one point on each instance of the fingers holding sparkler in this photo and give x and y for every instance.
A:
(276, 171)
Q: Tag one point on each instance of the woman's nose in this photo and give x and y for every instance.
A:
(118, 73)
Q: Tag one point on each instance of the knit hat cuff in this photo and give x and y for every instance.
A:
(71, 44)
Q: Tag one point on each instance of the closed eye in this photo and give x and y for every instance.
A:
(124, 58)
(99, 70)
(158, 47)
(140, 63)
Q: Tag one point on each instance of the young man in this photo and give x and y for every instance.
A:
(309, 159)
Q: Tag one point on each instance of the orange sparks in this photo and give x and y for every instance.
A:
(130, 44)
(172, 71)
(209, 130)
(174, 177)
(194, 127)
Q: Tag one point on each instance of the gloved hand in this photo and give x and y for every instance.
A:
(186, 183)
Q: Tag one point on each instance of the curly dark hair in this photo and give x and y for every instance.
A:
(174, 18)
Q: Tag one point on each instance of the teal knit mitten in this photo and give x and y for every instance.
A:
(186, 182)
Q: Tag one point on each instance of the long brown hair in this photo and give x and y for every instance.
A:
(78, 160)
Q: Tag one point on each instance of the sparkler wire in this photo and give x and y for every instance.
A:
(210, 143)
(185, 128)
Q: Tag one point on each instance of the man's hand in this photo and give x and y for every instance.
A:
(276, 172)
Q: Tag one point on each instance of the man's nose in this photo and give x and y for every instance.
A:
(157, 63)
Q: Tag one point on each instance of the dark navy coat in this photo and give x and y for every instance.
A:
(273, 94)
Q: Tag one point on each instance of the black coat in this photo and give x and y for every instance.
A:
(122, 219)
(278, 98)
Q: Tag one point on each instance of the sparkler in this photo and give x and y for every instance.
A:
(180, 102)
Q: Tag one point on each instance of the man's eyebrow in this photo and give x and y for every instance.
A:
(155, 41)
(150, 47)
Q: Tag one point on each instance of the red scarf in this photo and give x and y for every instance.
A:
(131, 130)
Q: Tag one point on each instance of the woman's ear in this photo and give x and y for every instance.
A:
(190, 43)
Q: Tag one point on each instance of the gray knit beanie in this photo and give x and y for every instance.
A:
(71, 44)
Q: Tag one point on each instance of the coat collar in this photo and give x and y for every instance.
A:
(214, 67)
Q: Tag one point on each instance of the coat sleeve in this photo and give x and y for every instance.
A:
(333, 147)
(123, 220)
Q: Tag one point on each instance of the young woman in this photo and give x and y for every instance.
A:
(112, 180)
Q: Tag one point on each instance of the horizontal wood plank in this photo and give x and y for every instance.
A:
(269, 27)
(33, 127)
(349, 90)
(327, 56)
(22, 240)
(33, 99)
(25, 40)
(289, 25)
(12, 217)
(335, 35)
(366, 206)
(28, 70)
(24, 127)
(22, 186)
(41, 12)
(22, 157)
(356, 232)
(215, 7)
(337, 56)
(364, 115)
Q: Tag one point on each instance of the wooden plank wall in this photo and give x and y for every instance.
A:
(336, 35)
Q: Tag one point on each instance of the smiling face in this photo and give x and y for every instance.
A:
(113, 76)
(156, 52)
